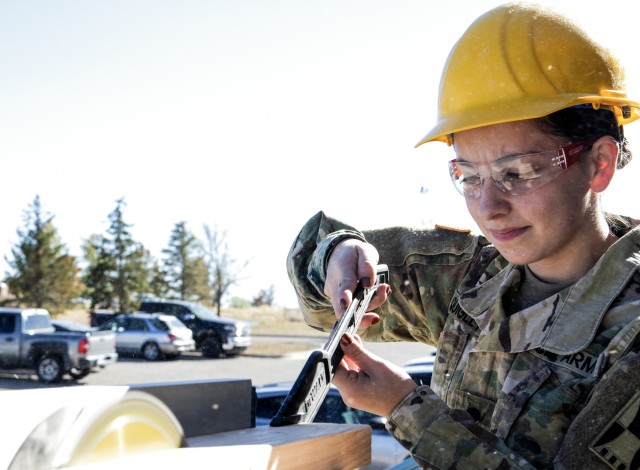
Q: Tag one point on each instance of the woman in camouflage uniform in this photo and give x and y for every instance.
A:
(535, 321)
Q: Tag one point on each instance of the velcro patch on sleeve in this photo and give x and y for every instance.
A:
(618, 445)
(453, 229)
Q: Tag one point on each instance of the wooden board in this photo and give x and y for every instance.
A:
(303, 446)
(314, 445)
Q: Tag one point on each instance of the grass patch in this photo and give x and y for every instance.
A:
(273, 321)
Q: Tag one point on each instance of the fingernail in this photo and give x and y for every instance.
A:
(389, 291)
(366, 282)
(343, 303)
(375, 320)
(345, 340)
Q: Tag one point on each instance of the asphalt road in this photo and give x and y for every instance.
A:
(192, 366)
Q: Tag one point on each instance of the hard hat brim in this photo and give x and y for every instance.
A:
(473, 119)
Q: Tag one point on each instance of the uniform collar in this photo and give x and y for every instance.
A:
(564, 323)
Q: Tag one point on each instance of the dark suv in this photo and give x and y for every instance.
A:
(214, 336)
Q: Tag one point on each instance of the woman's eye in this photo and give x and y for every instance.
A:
(520, 173)
(470, 180)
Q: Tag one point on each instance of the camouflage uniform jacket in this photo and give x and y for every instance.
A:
(526, 390)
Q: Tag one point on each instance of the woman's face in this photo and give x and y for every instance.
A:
(546, 226)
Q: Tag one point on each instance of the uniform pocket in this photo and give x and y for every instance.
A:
(451, 345)
(510, 405)
(497, 386)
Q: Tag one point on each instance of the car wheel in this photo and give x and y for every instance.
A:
(49, 368)
(151, 352)
(77, 374)
(211, 347)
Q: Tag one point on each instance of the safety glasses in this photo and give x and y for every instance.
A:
(515, 175)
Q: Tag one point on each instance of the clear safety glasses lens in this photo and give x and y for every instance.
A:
(516, 175)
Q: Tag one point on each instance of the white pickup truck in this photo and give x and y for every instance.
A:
(29, 341)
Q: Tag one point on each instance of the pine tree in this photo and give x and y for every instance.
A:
(117, 269)
(185, 268)
(130, 259)
(158, 284)
(44, 274)
(97, 275)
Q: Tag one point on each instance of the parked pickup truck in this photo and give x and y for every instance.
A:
(29, 341)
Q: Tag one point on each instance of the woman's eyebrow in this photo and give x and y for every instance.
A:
(506, 157)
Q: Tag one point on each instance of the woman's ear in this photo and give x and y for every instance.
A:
(604, 156)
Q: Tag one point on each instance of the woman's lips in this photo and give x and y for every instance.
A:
(504, 235)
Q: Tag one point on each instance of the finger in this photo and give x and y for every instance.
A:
(354, 352)
(366, 267)
(342, 301)
(349, 369)
(368, 320)
(341, 278)
(383, 291)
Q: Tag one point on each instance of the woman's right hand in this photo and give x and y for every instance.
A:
(351, 261)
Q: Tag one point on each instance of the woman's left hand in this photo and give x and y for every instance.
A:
(368, 382)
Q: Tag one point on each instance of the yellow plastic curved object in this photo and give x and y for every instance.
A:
(138, 423)
(521, 62)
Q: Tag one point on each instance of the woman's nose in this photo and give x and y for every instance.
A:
(492, 201)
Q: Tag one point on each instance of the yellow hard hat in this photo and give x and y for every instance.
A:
(522, 61)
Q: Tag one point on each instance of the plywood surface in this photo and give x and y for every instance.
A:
(317, 445)
(302, 446)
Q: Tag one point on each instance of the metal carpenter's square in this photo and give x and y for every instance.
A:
(312, 385)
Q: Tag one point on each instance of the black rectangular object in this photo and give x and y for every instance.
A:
(207, 406)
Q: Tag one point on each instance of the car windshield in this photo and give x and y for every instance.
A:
(203, 312)
(113, 325)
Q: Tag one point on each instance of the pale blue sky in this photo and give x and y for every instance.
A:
(251, 115)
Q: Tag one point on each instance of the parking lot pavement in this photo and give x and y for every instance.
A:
(192, 366)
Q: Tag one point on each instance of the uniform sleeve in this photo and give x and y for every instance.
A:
(425, 268)
(439, 437)
(306, 266)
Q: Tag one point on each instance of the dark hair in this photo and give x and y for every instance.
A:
(584, 123)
